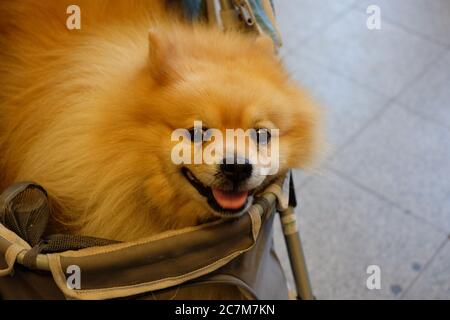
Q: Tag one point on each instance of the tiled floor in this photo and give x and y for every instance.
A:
(381, 195)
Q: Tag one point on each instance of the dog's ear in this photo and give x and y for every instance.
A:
(162, 54)
(157, 47)
(265, 44)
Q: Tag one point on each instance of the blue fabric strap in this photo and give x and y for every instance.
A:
(264, 21)
(194, 9)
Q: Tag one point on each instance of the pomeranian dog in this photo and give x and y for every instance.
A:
(89, 114)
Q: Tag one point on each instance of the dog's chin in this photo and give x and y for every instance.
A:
(223, 203)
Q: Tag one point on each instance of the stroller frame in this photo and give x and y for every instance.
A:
(231, 247)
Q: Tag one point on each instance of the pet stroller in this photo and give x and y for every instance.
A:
(234, 252)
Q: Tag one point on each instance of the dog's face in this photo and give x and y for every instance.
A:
(202, 93)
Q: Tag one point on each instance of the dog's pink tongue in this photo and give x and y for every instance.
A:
(230, 199)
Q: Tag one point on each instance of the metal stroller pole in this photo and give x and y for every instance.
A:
(294, 247)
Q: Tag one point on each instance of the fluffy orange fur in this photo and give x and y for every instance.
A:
(89, 113)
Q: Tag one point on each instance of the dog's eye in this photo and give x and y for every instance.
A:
(263, 136)
(197, 134)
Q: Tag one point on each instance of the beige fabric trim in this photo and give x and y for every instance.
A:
(255, 214)
(119, 292)
(119, 246)
(10, 257)
(17, 245)
(283, 200)
(12, 237)
(289, 222)
(126, 291)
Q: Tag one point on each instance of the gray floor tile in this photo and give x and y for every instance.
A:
(386, 60)
(406, 159)
(429, 18)
(434, 283)
(401, 155)
(347, 106)
(430, 96)
(345, 230)
(302, 18)
(302, 176)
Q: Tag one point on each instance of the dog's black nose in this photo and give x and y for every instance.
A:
(236, 171)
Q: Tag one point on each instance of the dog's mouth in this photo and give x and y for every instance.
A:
(225, 203)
